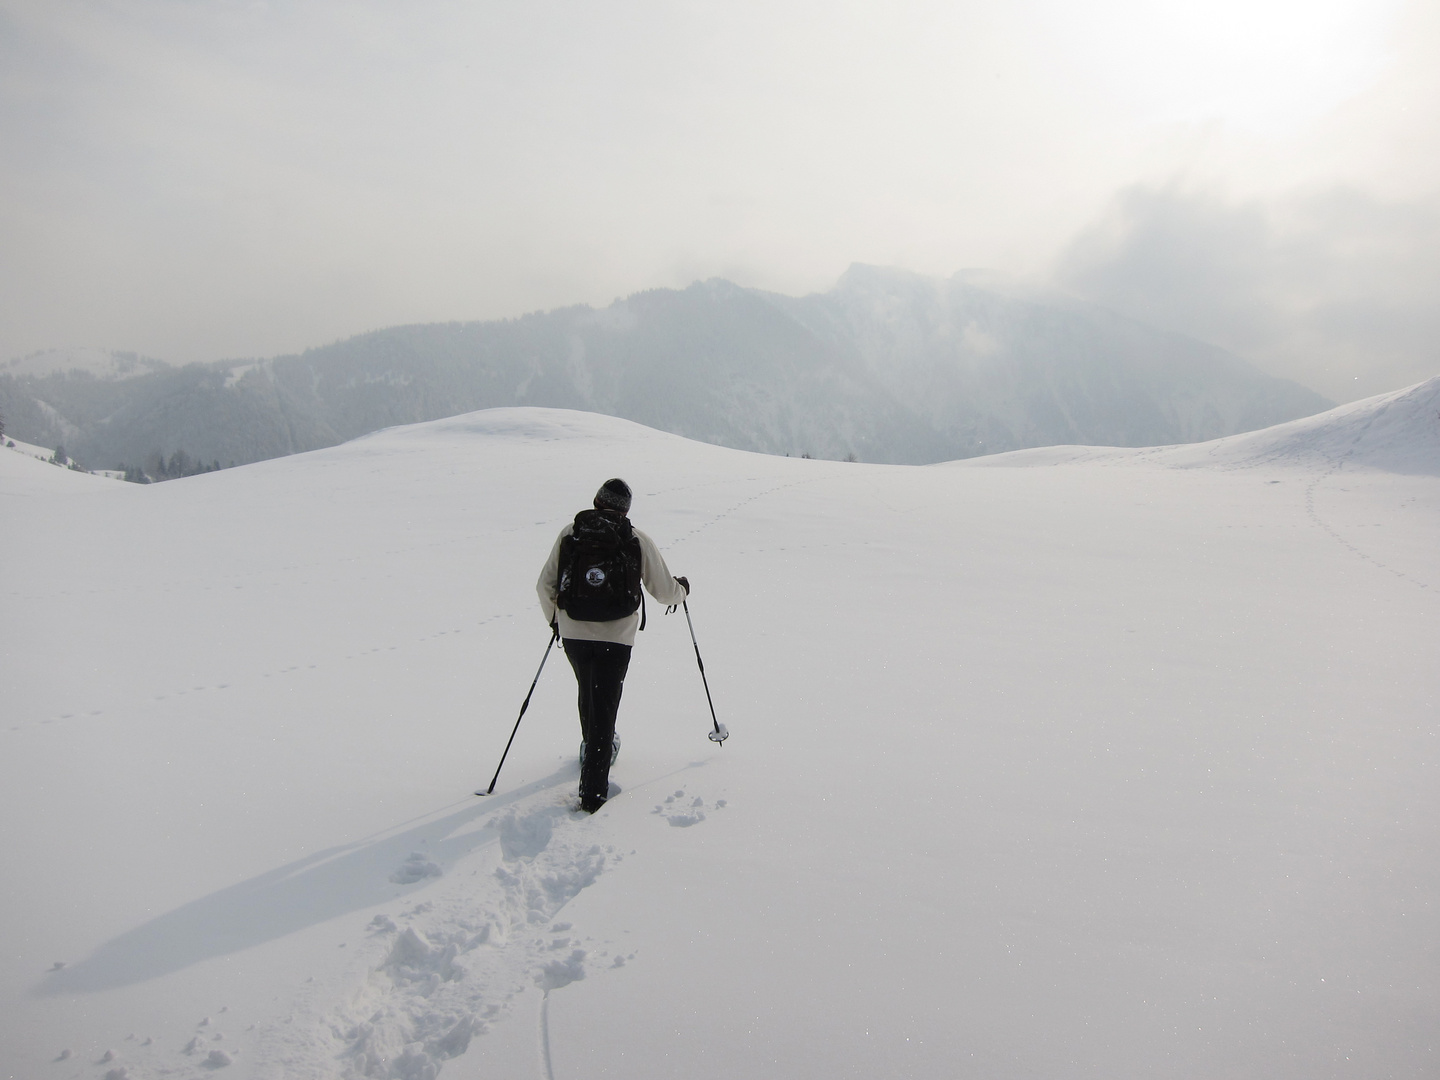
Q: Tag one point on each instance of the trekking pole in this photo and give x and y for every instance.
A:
(721, 732)
(554, 637)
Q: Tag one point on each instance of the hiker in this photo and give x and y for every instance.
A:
(590, 590)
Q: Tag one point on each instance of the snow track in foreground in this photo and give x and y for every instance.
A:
(456, 963)
(459, 962)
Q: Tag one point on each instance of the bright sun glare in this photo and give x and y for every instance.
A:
(1269, 66)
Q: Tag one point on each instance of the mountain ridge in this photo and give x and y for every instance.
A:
(887, 366)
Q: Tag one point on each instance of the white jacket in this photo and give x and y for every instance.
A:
(654, 575)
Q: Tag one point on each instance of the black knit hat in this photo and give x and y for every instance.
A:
(613, 495)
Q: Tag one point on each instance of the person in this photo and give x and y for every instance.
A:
(590, 593)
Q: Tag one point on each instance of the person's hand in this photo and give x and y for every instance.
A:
(685, 584)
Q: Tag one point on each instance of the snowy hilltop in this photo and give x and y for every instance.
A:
(887, 366)
(1074, 762)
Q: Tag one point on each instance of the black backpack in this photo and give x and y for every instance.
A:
(599, 568)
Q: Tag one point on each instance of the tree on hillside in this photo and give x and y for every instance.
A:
(177, 465)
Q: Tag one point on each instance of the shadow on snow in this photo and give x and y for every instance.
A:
(304, 893)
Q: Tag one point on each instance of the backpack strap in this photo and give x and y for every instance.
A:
(633, 539)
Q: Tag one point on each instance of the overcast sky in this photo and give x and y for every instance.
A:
(208, 179)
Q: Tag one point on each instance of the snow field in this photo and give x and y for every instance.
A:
(1066, 763)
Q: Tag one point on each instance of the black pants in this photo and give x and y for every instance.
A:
(600, 668)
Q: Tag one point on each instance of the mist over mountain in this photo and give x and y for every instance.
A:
(887, 366)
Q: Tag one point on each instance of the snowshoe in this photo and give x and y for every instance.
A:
(614, 750)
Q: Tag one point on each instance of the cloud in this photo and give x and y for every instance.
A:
(241, 178)
(1336, 288)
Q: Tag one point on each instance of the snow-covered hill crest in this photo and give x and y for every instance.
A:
(1397, 432)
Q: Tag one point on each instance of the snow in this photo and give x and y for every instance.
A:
(24, 478)
(1071, 762)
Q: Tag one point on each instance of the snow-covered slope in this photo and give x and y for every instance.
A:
(1397, 432)
(1107, 764)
